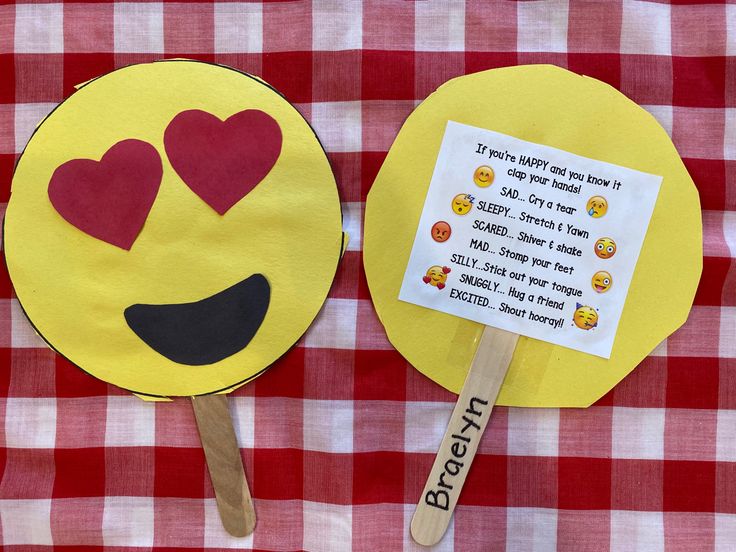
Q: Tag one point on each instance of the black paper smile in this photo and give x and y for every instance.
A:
(205, 331)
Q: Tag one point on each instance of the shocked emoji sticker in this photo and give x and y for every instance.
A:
(436, 276)
(156, 237)
(605, 248)
(585, 317)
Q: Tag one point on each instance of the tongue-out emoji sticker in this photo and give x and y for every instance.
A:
(173, 229)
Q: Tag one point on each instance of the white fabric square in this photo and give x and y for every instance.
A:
(542, 26)
(238, 28)
(30, 423)
(729, 230)
(729, 138)
(26, 522)
(22, 334)
(725, 529)
(334, 327)
(727, 343)
(731, 30)
(531, 529)
(636, 531)
(663, 114)
(128, 521)
(139, 27)
(327, 527)
(352, 219)
(533, 431)
(328, 426)
(215, 535)
(242, 411)
(337, 25)
(439, 26)
(638, 433)
(425, 424)
(39, 29)
(726, 436)
(338, 125)
(131, 422)
(660, 350)
(645, 28)
(27, 118)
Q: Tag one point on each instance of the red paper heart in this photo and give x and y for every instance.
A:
(221, 161)
(109, 199)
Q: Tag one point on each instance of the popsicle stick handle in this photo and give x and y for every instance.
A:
(224, 464)
(460, 443)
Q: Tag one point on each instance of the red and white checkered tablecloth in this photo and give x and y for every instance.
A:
(339, 436)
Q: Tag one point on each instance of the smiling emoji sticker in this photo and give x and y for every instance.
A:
(436, 276)
(585, 317)
(160, 223)
(483, 176)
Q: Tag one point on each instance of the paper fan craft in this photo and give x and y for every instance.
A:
(173, 229)
(531, 236)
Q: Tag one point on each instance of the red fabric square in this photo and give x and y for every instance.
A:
(532, 481)
(486, 482)
(689, 486)
(380, 375)
(291, 74)
(189, 28)
(583, 531)
(709, 176)
(584, 483)
(327, 477)
(336, 76)
(285, 377)
(378, 477)
(39, 78)
(129, 471)
(725, 487)
(433, 69)
(682, 529)
(727, 379)
(88, 27)
(645, 386)
(346, 278)
(636, 484)
(382, 523)
(490, 26)
(378, 425)
(79, 68)
(647, 79)
(388, 25)
(278, 474)
(699, 30)
(731, 81)
(287, 26)
(79, 472)
(692, 382)
(347, 167)
(77, 521)
(247, 63)
(370, 333)
(27, 473)
(479, 529)
(480, 61)
(71, 381)
(7, 83)
(180, 472)
(330, 376)
(371, 162)
(5, 378)
(31, 373)
(585, 432)
(605, 67)
(280, 526)
(554, 58)
(420, 388)
(7, 165)
(81, 422)
(712, 286)
(699, 81)
(594, 26)
(178, 522)
(388, 75)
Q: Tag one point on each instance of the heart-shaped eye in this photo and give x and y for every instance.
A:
(222, 161)
(109, 199)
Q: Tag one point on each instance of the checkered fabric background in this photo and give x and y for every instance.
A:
(338, 437)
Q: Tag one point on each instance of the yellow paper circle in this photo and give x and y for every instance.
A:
(551, 106)
(74, 287)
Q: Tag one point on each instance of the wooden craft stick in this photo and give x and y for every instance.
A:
(468, 421)
(224, 464)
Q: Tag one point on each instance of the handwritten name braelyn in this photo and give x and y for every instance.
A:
(438, 496)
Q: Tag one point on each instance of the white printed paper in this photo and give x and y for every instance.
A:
(529, 238)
